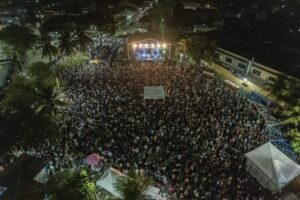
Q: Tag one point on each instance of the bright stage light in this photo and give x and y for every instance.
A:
(134, 45)
(158, 45)
(140, 45)
(152, 45)
(164, 45)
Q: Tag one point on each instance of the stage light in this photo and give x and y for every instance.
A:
(164, 45)
(152, 45)
(134, 45)
(158, 45)
(140, 45)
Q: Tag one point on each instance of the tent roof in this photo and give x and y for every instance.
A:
(110, 177)
(275, 164)
(108, 180)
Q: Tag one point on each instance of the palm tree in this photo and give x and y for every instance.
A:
(291, 94)
(82, 40)
(132, 187)
(277, 88)
(19, 96)
(70, 184)
(293, 119)
(66, 43)
(24, 125)
(48, 49)
(50, 97)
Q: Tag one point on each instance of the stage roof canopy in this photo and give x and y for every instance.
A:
(272, 168)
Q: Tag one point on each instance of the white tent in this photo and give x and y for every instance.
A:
(272, 168)
(108, 180)
(154, 92)
(110, 177)
(42, 176)
(2, 190)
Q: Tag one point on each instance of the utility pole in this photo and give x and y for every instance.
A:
(250, 66)
(162, 29)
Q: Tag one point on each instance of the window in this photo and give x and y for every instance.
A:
(271, 78)
(241, 65)
(256, 72)
(229, 60)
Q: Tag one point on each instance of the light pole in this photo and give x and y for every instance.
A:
(162, 28)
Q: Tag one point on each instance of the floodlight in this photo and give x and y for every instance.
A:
(140, 45)
(164, 45)
(158, 45)
(152, 45)
(134, 45)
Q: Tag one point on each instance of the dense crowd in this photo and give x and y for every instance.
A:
(192, 142)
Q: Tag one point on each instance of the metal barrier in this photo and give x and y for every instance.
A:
(272, 130)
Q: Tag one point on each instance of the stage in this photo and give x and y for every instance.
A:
(149, 50)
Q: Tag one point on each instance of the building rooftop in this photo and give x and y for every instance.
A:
(277, 57)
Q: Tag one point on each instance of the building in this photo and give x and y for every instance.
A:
(248, 68)
(196, 18)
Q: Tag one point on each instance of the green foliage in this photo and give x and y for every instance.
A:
(82, 40)
(293, 120)
(284, 91)
(181, 47)
(20, 96)
(277, 88)
(75, 60)
(20, 120)
(67, 44)
(50, 97)
(39, 70)
(30, 104)
(131, 187)
(71, 184)
(200, 47)
(295, 135)
(48, 49)
(19, 38)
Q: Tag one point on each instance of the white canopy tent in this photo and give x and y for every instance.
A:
(110, 177)
(42, 176)
(272, 168)
(108, 180)
(2, 190)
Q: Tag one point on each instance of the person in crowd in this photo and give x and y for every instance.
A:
(193, 141)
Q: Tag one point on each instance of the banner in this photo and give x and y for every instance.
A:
(154, 92)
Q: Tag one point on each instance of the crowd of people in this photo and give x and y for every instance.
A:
(192, 142)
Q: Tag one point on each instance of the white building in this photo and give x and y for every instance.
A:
(248, 67)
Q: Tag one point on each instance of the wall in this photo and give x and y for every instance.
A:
(266, 73)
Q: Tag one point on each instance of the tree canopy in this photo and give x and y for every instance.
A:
(200, 47)
(71, 184)
(132, 187)
(29, 107)
(19, 38)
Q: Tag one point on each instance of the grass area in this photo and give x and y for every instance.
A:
(75, 60)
